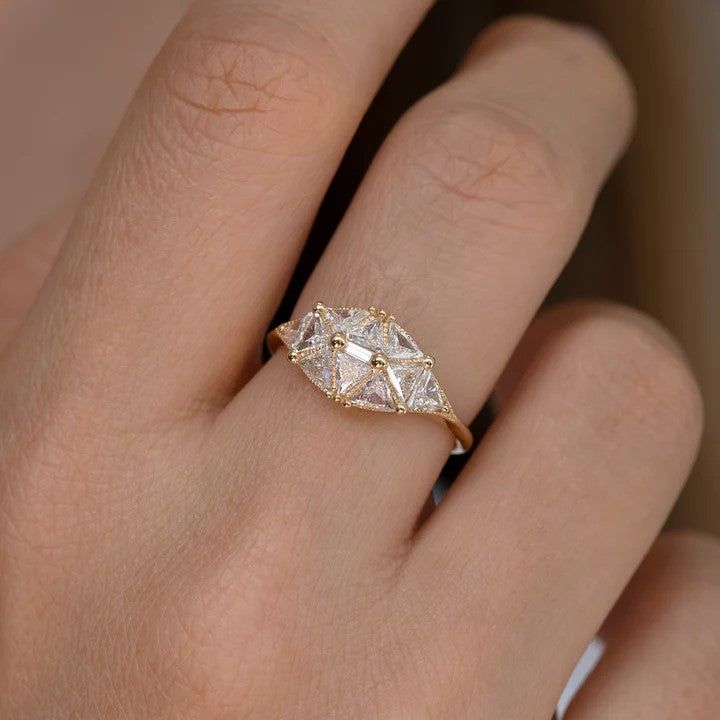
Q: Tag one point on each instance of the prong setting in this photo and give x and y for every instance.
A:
(338, 341)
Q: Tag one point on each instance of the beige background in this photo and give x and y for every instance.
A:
(68, 67)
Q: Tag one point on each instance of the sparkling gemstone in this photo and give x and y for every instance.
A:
(350, 371)
(311, 333)
(375, 395)
(359, 352)
(400, 344)
(288, 332)
(394, 383)
(345, 319)
(370, 336)
(426, 394)
(319, 367)
(403, 378)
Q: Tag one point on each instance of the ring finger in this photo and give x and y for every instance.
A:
(466, 217)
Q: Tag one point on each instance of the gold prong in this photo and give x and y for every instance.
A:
(372, 310)
(346, 403)
(445, 410)
(378, 361)
(382, 314)
(292, 356)
(428, 361)
(391, 318)
(320, 308)
(338, 341)
(400, 408)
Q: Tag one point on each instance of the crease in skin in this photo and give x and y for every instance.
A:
(217, 75)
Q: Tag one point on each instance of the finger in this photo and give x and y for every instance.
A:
(24, 265)
(182, 249)
(559, 504)
(464, 220)
(663, 640)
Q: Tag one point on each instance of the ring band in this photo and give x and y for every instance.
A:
(362, 358)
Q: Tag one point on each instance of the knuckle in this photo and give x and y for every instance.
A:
(263, 84)
(636, 365)
(572, 45)
(556, 35)
(473, 161)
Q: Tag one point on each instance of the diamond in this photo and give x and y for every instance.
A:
(288, 332)
(345, 319)
(400, 344)
(426, 395)
(311, 333)
(319, 368)
(375, 395)
(370, 336)
(403, 378)
(359, 352)
(350, 371)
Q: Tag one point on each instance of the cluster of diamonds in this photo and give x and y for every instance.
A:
(363, 358)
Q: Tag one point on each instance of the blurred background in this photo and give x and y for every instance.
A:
(69, 67)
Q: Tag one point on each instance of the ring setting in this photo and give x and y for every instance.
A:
(362, 358)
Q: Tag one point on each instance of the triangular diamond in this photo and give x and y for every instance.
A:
(369, 336)
(426, 395)
(400, 344)
(319, 368)
(403, 378)
(350, 371)
(288, 331)
(375, 395)
(345, 319)
(310, 334)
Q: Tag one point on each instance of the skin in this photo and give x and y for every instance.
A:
(187, 534)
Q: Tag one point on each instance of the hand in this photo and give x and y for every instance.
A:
(187, 534)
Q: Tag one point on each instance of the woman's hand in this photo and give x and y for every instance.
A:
(185, 534)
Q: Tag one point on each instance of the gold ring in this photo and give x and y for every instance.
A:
(362, 358)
